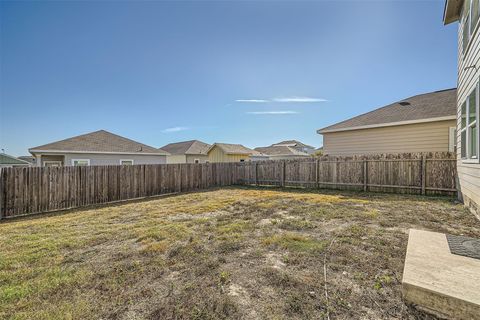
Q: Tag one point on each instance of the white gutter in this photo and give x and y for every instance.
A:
(388, 124)
(97, 152)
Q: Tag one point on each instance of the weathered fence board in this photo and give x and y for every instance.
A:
(34, 190)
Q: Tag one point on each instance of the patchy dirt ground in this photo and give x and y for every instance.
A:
(235, 253)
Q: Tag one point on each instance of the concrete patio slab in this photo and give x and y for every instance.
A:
(438, 281)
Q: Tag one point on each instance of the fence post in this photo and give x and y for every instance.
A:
(365, 175)
(256, 174)
(282, 183)
(424, 173)
(2, 197)
(317, 165)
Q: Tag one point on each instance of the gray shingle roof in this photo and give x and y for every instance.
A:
(292, 143)
(187, 147)
(436, 104)
(281, 151)
(99, 141)
(6, 159)
(235, 149)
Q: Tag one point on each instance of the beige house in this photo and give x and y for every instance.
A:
(467, 107)
(224, 152)
(192, 151)
(421, 123)
(281, 152)
(96, 149)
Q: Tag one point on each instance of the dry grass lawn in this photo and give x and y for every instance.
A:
(235, 253)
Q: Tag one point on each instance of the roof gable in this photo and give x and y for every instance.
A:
(292, 143)
(193, 147)
(229, 148)
(428, 107)
(98, 142)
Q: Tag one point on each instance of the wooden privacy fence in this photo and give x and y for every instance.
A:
(35, 190)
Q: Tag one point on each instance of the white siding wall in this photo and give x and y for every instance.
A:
(468, 75)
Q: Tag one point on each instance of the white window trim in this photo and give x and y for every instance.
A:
(121, 160)
(452, 137)
(73, 161)
(471, 33)
(469, 159)
(51, 161)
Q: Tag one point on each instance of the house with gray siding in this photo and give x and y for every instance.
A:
(192, 151)
(97, 148)
(467, 13)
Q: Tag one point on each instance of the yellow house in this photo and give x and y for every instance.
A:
(224, 152)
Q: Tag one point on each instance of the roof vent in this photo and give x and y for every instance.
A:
(404, 103)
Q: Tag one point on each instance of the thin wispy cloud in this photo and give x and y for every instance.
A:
(175, 129)
(283, 99)
(299, 99)
(252, 100)
(273, 112)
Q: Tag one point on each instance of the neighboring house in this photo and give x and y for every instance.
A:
(29, 159)
(224, 152)
(95, 149)
(8, 161)
(297, 145)
(282, 152)
(192, 151)
(421, 123)
(467, 107)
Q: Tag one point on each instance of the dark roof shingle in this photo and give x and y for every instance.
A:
(187, 147)
(281, 151)
(6, 159)
(424, 106)
(99, 141)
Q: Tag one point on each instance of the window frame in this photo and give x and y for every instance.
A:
(468, 126)
(131, 160)
(472, 30)
(87, 160)
(197, 161)
(59, 162)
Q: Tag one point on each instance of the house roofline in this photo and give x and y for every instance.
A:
(230, 153)
(32, 151)
(451, 12)
(387, 124)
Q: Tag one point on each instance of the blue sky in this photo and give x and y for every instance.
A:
(160, 72)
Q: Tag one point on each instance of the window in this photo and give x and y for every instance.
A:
(196, 161)
(242, 160)
(52, 163)
(452, 143)
(471, 13)
(126, 162)
(80, 162)
(468, 126)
